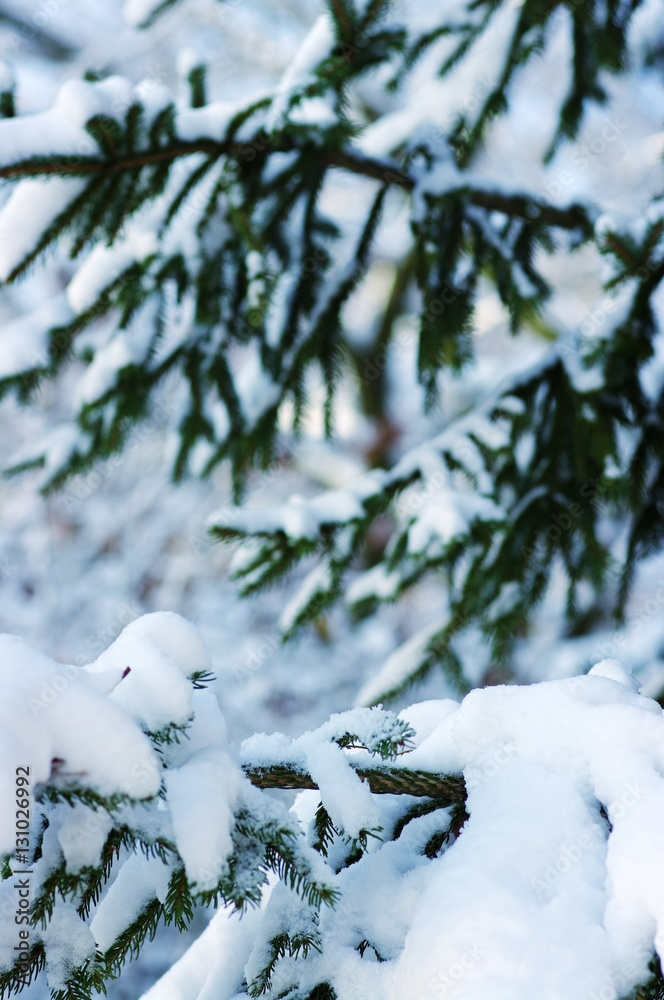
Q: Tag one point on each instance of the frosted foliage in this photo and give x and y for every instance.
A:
(307, 242)
(69, 944)
(552, 887)
(138, 882)
(554, 876)
(49, 712)
(84, 732)
(31, 208)
(202, 796)
(538, 888)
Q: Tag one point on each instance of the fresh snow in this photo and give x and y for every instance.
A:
(161, 651)
(202, 796)
(542, 892)
(49, 712)
(553, 887)
(213, 967)
(24, 342)
(138, 882)
(315, 584)
(32, 207)
(398, 666)
(315, 47)
(105, 264)
(137, 11)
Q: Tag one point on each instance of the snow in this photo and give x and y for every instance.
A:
(73, 728)
(6, 77)
(346, 797)
(448, 516)
(105, 264)
(137, 11)
(425, 716)
(314, 49)
(538, 895)
(375, 582)
(299, 518)
(645, 28)
(79, 101)
(541, 890)
(256, 390)
(437, 102)
(126, 348)
(42, 134)
(130, 543)
(614, 670)
(162, 650)
(399, 666)
(212, 968)
(201, 797)
(537, 888)
(24, 343)
(138, 882)
(31, 209)
(209, 122)
(81, 835)
(49, 712)
(69, 942)
(316, 584)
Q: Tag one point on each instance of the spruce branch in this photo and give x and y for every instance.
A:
(574, 217)
(446, 789)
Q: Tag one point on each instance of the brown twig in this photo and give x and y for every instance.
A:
(382, 780)
(533, 209)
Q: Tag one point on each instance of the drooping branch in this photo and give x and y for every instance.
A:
(573, 217)
(382, 781)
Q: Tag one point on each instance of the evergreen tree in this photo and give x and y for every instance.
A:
(209, 254)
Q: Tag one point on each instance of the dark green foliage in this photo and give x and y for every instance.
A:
(284, 944)
(201, 678)
(264, 179)
(225, 256)
(7, 108)
(654, 988)
(387, 746)
(266, 839)
(324, 830)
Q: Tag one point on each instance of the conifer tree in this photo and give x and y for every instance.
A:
(209, 257)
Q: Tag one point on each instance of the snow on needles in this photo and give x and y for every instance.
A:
(556, 886)
(47, 713)
(552, 887)
(91, 730)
